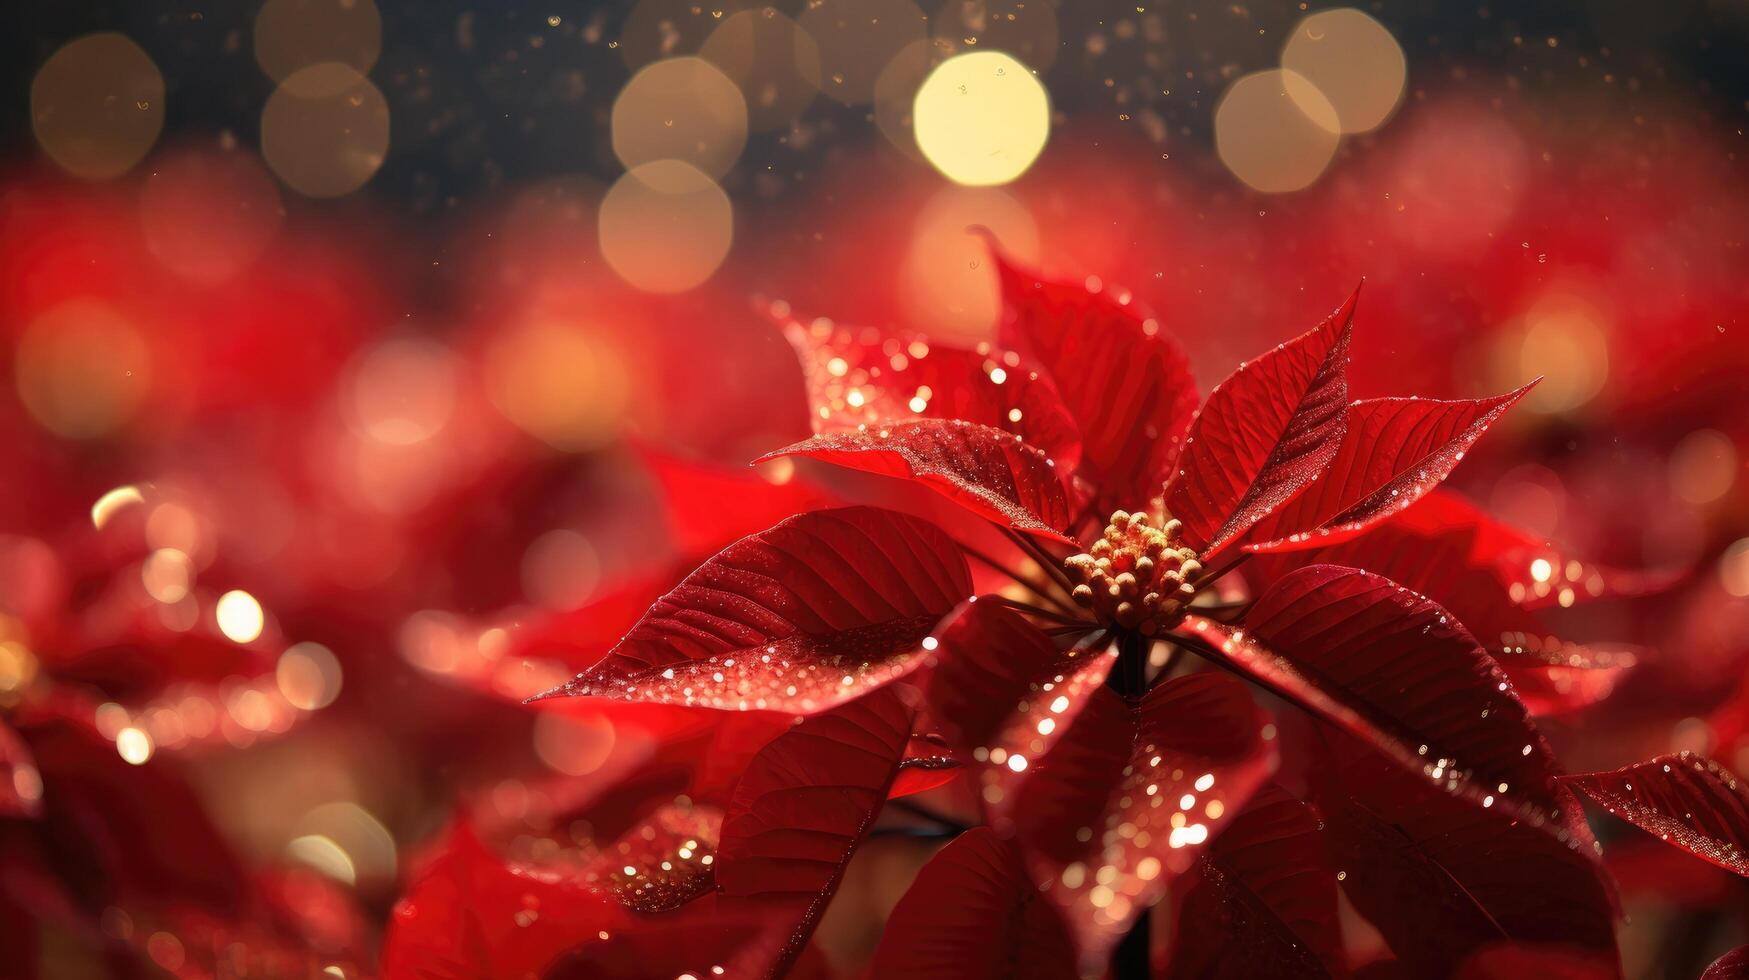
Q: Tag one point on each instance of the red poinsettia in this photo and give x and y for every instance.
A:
(1202, 668)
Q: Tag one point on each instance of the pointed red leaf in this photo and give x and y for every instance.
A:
(862, 377)
(1686, 800)
(1448, 550)
(1264, 435)
(1123, 803)
(1731, 966)
(1400, 673)
(973, 914)
(989, 661)
(987, 471)
(804, 805)
(1262, 901)
(664, 862)
(1124, 380)
(806, 615)
(1441, 879)
(21, 784)
(1394, 452)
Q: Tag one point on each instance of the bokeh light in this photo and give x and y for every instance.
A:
(18, 670)
(680, 109)
(325, 130)
(1346, 60)
(1271, 140)
(1563, 338)
(114, 502)
(82, 369)
(295, 34)
(97, 105)
(167, 575)
(572, 745)
(239, 616)
(1734, 568)
(895, 95)
(1703, 467)
(308, 675)
(403, 390)
(949, 282)
(655, 29)
(774, 61)
(666, 226)
(1026, 29)
(357, 835)
(560, 570)
(134, 746)
(559, 382)
(981, 118)
(856, 39)
(207, 215)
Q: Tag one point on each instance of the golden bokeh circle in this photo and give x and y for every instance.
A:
(1349, 60)
(82, 369)
(895, 96)
(655, 29)
(560, 382)
(949, 282)
(1271, 140)
(330, 144)
(97, 105)
(856, 39)
(665, 226)
(295, 34)
(680, 109)
(1564, 338)
(774, 61)
(981, 118)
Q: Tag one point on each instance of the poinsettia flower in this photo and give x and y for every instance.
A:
(1176, 577)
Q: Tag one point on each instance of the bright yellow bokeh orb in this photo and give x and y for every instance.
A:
(981, 118)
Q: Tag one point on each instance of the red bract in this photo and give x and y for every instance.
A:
(1168, 594)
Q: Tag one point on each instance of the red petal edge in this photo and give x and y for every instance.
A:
(1396, 450)
(1264, 435)
(1397, 671)
(1685, 800)
(779, 619)
(989, 472)
(1124, 380)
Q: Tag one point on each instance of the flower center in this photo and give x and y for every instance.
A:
(1136, 576)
